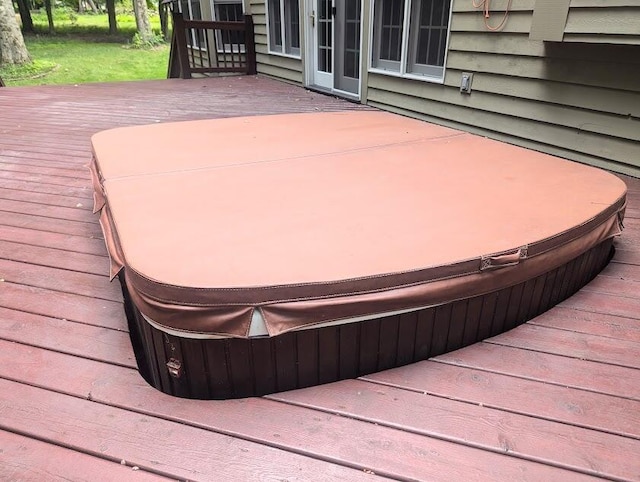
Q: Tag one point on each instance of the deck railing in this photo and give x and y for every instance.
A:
(202, 47)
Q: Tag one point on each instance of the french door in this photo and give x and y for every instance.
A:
(336, 27)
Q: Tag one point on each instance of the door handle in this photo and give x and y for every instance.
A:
(334, 10)
(313, 18)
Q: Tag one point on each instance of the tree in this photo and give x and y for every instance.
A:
(47, 7)
(12, 47)
(164, 19)
(25, 16)
(142, 21)
(111, 14)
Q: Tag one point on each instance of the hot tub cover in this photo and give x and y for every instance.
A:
(313, 218)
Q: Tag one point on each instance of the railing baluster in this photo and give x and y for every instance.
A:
(235, 48)
(200, 50)
(192, 50)
(225, 50)
(228, 39)
(208, 48)
(217, 37)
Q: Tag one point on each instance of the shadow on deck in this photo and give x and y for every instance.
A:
(555, 399)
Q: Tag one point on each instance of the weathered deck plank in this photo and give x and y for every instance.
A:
(555, 399)
(65, 306)
(60, 280)
(340, 439)
(156, 445)
(626, 329)
(57, 257)
(50, 225)
(571, 344)
(79, 339)
(489, 429)
(25, 458)
(54, 240)
(606, 413)
(548, 368)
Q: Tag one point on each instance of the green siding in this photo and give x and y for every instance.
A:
(277, 66)
(578, 101)
(601, 21)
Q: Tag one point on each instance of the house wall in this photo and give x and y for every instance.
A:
(572, 99)
(579, 101)
(284, 68)
(593, 21)
(610, 21)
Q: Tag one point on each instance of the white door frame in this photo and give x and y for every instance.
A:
(311, 52)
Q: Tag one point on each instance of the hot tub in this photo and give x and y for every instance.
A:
(262, 254)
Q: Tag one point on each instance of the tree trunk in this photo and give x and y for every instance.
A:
(47, 7)
(111, 13)
(25, 16)
(164, 20)
(92, 6)
(142, 20)
(12, 47)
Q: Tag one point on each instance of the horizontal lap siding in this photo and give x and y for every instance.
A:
(277, 66)
(603, 21)
(573, 100)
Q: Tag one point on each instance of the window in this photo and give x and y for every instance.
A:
(410, 36)
(190, 10)
(224, 11)
(228, 11)
(283, 19)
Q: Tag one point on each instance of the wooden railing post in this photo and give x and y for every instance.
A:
(173, 72)
(180, 35)
(184, 57)
(250, 45)
(1, 82)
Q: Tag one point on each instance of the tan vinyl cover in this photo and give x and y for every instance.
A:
(320, 217)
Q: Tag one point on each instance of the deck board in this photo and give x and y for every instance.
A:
(626, 329)
(580, 408)
(54, 240)
(369, 445)
(583, 346)
(64, 306)
(50, 225)
(549, 368)
(477, 426)
(78, 339)
(60, 280)
(57, 257)
(26, 458)
(555, 399)
(153, 444)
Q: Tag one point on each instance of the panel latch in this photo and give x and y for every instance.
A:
(175, 367)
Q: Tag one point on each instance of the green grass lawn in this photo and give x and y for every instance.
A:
(70, 23)
(82, 51)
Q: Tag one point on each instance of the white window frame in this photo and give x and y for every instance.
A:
(403, 68)
(194, 43)
(227, 47)
(285, 29)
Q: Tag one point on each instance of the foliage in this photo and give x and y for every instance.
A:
(81, 50)
(60, 15)
(138, 43)
(92, 25)
(27, 72)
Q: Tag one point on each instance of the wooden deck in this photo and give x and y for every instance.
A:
(555, 399)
